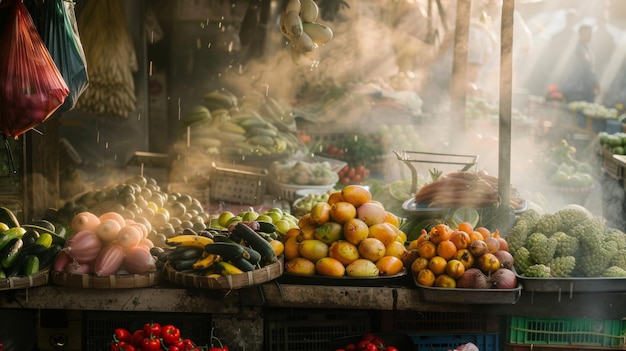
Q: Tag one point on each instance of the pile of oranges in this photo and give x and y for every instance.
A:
(349, 234)
(443, 254)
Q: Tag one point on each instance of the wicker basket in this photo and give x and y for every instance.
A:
(238, 184)
(230, 282)
(119, 281)
(25, 281)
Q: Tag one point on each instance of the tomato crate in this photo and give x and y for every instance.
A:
(98, 326)
(564, 331)
(437, 322)
(312, 330)
(445, 342)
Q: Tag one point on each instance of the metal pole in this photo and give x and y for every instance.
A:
(506, 88)
(458, 86)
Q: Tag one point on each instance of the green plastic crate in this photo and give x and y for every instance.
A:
(563, 331)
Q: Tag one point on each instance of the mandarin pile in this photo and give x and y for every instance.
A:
(347, 235)
(464, 256)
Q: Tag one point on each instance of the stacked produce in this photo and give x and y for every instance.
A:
(303, 173)
(153, 337)
(304, 205)
(298, 24)
(369, 341)
(566, 243)
(613, 142)
(594, 110)
(462, 257)
(562, 168)
(139, 199)
(347, 235)
(246, 246)
(26, 249)
(106, 245)
(232, 127)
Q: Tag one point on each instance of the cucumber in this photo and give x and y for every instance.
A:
(242, 264)
(30, 237)
(45, 240)
(267, 227)
(185, 252)
(11, 252)
(227, 251)
(223, 239)
(17, 266)
(31, 266)
(47, 258)
(257, 242)
(184, 264)
(9, 235)
(255, 256)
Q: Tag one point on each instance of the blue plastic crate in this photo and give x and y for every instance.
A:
(564, 331)
(445, 342)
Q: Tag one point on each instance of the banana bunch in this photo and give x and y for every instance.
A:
(298, 24)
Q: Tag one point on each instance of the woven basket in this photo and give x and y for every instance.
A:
(229, 282)
(25, 281)
(119, 281)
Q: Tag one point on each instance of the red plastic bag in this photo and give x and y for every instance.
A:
(32, 86)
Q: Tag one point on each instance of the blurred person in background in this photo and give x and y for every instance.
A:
(615, 96)
(579, 81)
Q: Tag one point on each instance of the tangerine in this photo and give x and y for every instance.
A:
(439, 233)
(466, 227)
(446, 249)
(466, 257)
(427, 249)
(278, 246)
(455, 268)
(437, 264)
(389, 265)
(483, 231)
(426, 277)
(461, 239)
(445, 281)
(419, 264)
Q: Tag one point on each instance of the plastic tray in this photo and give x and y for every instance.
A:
(446, 342)
(403, 342)
(570, 285)
(401, 279)
(471, 296)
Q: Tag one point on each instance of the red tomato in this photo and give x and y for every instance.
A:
(362, 345)
(121, 334)
(188, 343)
(173, 348)
(170, 334)
(151, 344)
(368, 337)
(351, 347)
(371, 347)
(378, 342)
(360, 169)
(121, 346)
(152, 330)
(138, 337)
(391, 348)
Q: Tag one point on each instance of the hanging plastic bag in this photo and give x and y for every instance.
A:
(32, 86)
(56, 23)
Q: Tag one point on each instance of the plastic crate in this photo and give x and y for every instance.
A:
(563, 331)
(98, 326)
(445, 342)
(518, 347)
(238, 184)
(436, 322)
(311, 330)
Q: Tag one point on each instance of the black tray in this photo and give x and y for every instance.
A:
(470, 296)
(400, 279)
(570, 285)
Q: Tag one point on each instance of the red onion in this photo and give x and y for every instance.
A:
(473, 278)
(505, 258)
(503, 279)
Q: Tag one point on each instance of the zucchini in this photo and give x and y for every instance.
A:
(47, 258)
(17, 266)
(31, 266)
(227, 251)
(10, 252)
(267, 227)
(184, 264)
(242, 264)
(255, 256)
(185, 252)
(257, 242)
(221, 238)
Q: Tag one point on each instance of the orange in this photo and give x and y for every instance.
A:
(455, 268)
(384, 232)
(446, 249)
(389, 265)
(355, 230)
(329, 266)
(396, 248)
(291, 248)
(419, 264)
(356, 194)
(437, 264)
(445, 281)
(423, 237)
(475, 236)
(372, 249)
(342, 211)
(278, 246)
(300, 265)
(460, 239)
(392, 219)
(427, 249)
(484, 231)
(426, 277)
(466, 257)
(466, 227)
(334, 197)
(440, 232)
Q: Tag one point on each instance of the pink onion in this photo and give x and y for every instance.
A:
(60, 261)
(505, 258)
(503, 279)
(473, 278)
(75, 267)
(83, 246)
(139, 260)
